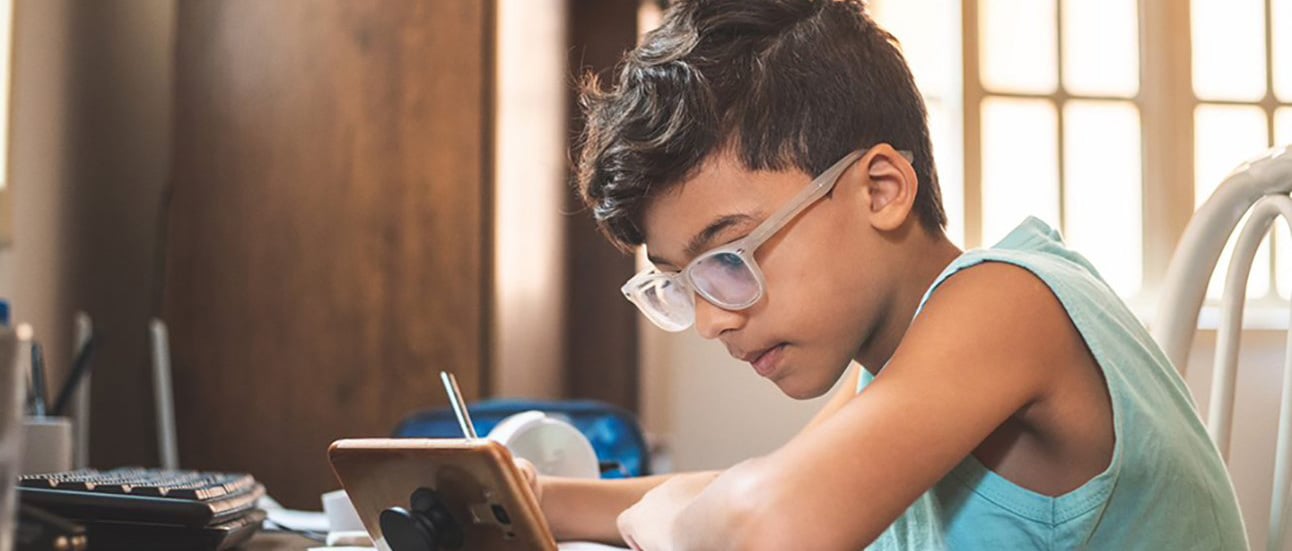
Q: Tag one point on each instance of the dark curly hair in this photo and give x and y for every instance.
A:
(783, 84)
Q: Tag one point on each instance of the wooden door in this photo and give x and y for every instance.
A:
(328, 247)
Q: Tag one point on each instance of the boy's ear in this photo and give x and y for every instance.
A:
(891, 186)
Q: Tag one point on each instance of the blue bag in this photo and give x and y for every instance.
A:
(614, 433)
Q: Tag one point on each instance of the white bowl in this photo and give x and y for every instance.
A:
(554, 446)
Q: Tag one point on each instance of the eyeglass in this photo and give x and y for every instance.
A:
(727, 276)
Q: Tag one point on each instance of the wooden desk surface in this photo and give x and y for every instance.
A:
(279, 541)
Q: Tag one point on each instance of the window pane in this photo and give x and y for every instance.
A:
(929, 34)
(1283, 126)
(1101, 47)
(1224, 137)
(1229, 49)
(1102, 189)
(1020, 174)
(1019, 46)
(1283, 50)
(947, 153)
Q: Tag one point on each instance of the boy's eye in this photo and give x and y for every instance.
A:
(730, 260)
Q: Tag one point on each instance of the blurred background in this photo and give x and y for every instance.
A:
(330, 201)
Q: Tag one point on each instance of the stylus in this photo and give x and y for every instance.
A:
(459, 405)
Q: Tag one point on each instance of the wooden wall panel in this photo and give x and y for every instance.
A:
(89, 157)
(329, 244)
(601, 327)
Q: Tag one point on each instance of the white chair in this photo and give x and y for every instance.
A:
(1261, 186)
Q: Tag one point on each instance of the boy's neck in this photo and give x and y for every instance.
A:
(874, 354)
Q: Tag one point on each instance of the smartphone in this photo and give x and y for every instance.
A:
(480, 499)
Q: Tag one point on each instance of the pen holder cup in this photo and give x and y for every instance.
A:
(47, 445)
(12, 397)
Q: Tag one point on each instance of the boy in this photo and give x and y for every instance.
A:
(773, 158)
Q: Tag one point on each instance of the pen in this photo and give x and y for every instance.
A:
(79, 367)
(26, 336)
(38, 379)
(459, 405)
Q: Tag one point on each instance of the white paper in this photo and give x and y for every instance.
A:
(306, 521)
(565, 546)
(587, 546)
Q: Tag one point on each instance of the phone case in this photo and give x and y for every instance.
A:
(476, 481)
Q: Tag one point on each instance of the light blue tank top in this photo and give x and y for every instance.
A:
(1166, 486)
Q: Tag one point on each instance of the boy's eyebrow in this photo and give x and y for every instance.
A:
(701, 240)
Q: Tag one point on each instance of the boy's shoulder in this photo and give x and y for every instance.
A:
(990, 319)
(997, 320)
(1020, 307)
(1001, 322)
(996, 296)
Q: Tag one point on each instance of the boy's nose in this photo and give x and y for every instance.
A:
(712, 321)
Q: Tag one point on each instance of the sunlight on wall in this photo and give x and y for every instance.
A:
(529, 193)
(6, 45)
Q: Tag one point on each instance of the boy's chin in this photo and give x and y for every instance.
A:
(801, 387)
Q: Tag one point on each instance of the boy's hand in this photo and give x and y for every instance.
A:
(530, 473)
(648, 524)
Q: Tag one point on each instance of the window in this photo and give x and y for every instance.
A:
(1096, 118)
(1242, 92)
(1051, 92)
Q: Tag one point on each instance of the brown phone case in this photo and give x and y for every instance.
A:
(472, 478)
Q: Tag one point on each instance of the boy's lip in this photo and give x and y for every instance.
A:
(751, 356)
(754, 357)
(765, 364)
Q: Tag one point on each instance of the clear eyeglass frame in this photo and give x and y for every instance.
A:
(678, 312)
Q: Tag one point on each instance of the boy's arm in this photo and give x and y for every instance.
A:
(578, 509)
(581, 509)
(981, 351)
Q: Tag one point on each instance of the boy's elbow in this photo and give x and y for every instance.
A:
(767, 540)
(768, 519)
(770, 530)
(760, 521)
(762, 529)
(738, 517)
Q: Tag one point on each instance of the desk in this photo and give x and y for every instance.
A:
(279, 541)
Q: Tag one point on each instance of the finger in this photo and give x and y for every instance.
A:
(530, 474)
(632, 544)
(624, 523)
(527, 469)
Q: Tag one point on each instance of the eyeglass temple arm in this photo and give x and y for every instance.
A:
(820, 186)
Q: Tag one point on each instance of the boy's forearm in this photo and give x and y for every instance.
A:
(580, 509)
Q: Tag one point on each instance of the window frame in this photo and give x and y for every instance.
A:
(1166, 101)
(975, 94)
